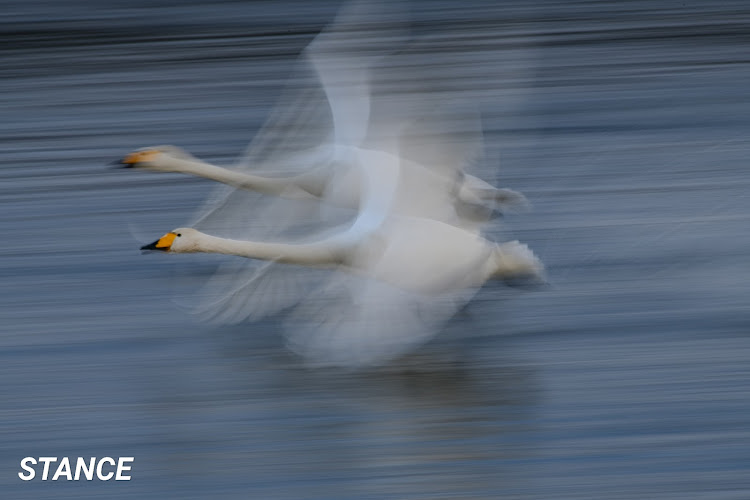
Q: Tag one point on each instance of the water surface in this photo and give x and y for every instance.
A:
(626, 125)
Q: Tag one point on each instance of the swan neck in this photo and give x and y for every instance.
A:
(312, 254)
(241, 180)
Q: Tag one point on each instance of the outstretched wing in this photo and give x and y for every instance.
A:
(350, 321)
(325, 104)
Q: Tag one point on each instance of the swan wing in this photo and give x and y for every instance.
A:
(344, 55)
(243, 289)
(234, 294)
(324, 107)
(353, 322)
(425, 110)
(239, 291)
(298, 137)
(326, 98)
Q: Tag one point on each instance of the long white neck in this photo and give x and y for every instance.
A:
(278, 186)
(318, 254)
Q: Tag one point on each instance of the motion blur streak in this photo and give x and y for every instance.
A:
(625, 123)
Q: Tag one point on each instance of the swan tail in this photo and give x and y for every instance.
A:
(516, 261)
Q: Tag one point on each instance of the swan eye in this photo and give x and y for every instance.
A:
(178, 235)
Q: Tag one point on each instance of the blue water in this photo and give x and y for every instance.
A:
(625, 123)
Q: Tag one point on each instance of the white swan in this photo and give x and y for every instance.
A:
(479, 198)
(415, 254)
(352, 90)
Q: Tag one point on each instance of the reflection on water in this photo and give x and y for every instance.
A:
(438, 423)
(625, 124)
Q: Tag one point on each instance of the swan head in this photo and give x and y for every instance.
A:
(158, 158)
(180, 240)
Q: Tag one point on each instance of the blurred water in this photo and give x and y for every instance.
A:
(625, 123)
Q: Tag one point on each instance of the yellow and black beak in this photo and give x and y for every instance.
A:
(123, 163)
(163, 244)
(133, 159)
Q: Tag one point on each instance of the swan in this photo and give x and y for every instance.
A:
(387, 293)
(476, 199)
(474, 194)
(352, 92)
(414, 254)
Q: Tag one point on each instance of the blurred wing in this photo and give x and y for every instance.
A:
(299, 124)
(427, 98)
(244, 289)
(344, 55)
(355, 322)
(435, 131)
(433, 149)
(325, 103)
(446, 137)
(240, 290)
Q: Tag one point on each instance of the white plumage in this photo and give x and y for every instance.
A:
(405, 242)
